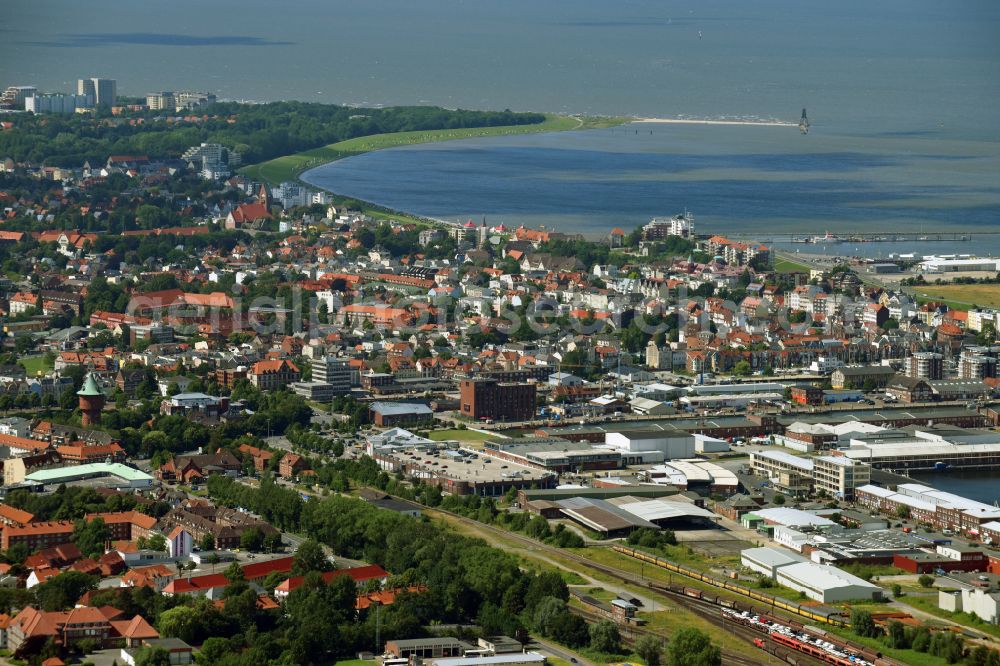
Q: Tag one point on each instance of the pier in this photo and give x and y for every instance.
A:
(885, 237)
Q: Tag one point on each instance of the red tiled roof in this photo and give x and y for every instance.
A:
(91, 451)
(195, 584)
(50, 527)
(138, 628)
(15, 515)
(210, 581)
(14, 442)
(357, 574)
(136, 518)
(251, 212)
(262, 367)
(384, 597)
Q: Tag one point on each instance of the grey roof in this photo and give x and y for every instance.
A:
(772, 557)
(400, 408)
(192, 396)
(866, 370)
(602, 515)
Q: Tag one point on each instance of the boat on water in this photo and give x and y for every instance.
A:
(941, 466)
(826, 238)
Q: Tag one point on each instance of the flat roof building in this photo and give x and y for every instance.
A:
(553, 453)
(825, 583)
(791, 517)
(462, 472)
(768, 560)
(428, 648)
(650, 446)
(128, 476)
(509, 659)
(839, 475)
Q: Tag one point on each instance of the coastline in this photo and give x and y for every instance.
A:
(293, 167)
(693, 121)
(290, 167)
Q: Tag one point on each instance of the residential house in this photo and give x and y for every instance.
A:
(128, 380)
(292, 465)
(270, 375)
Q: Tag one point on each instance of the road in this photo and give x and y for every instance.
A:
(555, 650)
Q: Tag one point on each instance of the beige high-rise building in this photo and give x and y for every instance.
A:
(104, 91)
(160, 101)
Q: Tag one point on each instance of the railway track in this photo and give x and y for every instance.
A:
(630, 633)
(704, 609)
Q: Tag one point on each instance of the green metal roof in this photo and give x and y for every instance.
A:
(58, 474)
(90, 387)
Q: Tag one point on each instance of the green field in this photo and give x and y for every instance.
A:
(35, 364)
(459, 435)
(289, 167)
(960, 296)
(783, 265)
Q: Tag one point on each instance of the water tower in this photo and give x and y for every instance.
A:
(91, 401)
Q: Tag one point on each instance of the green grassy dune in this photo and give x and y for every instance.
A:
(289, 167)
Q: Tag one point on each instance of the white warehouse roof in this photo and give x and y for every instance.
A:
(786, 458)
(653, 510)
(823, 576)
(793, 517)
(771, 558)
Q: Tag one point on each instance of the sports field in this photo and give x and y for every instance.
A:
(962, 296)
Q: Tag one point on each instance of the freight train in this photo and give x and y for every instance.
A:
(828, 649)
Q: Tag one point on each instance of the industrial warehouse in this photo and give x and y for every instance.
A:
(819, 582)
(620, 516)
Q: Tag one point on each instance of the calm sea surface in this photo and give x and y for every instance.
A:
(974, 485)
(902, 94)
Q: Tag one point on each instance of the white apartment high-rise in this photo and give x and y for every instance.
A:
(104, 91)
(58, 103)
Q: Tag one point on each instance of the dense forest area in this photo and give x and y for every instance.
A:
(257, 131)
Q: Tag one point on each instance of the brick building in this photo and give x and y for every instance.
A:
(270, 375)
(807, 395)
(489, 399)
(225, 526)
(38, 535)
(98, 453)
(291, 465)
(126, 525)
(227, 377)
